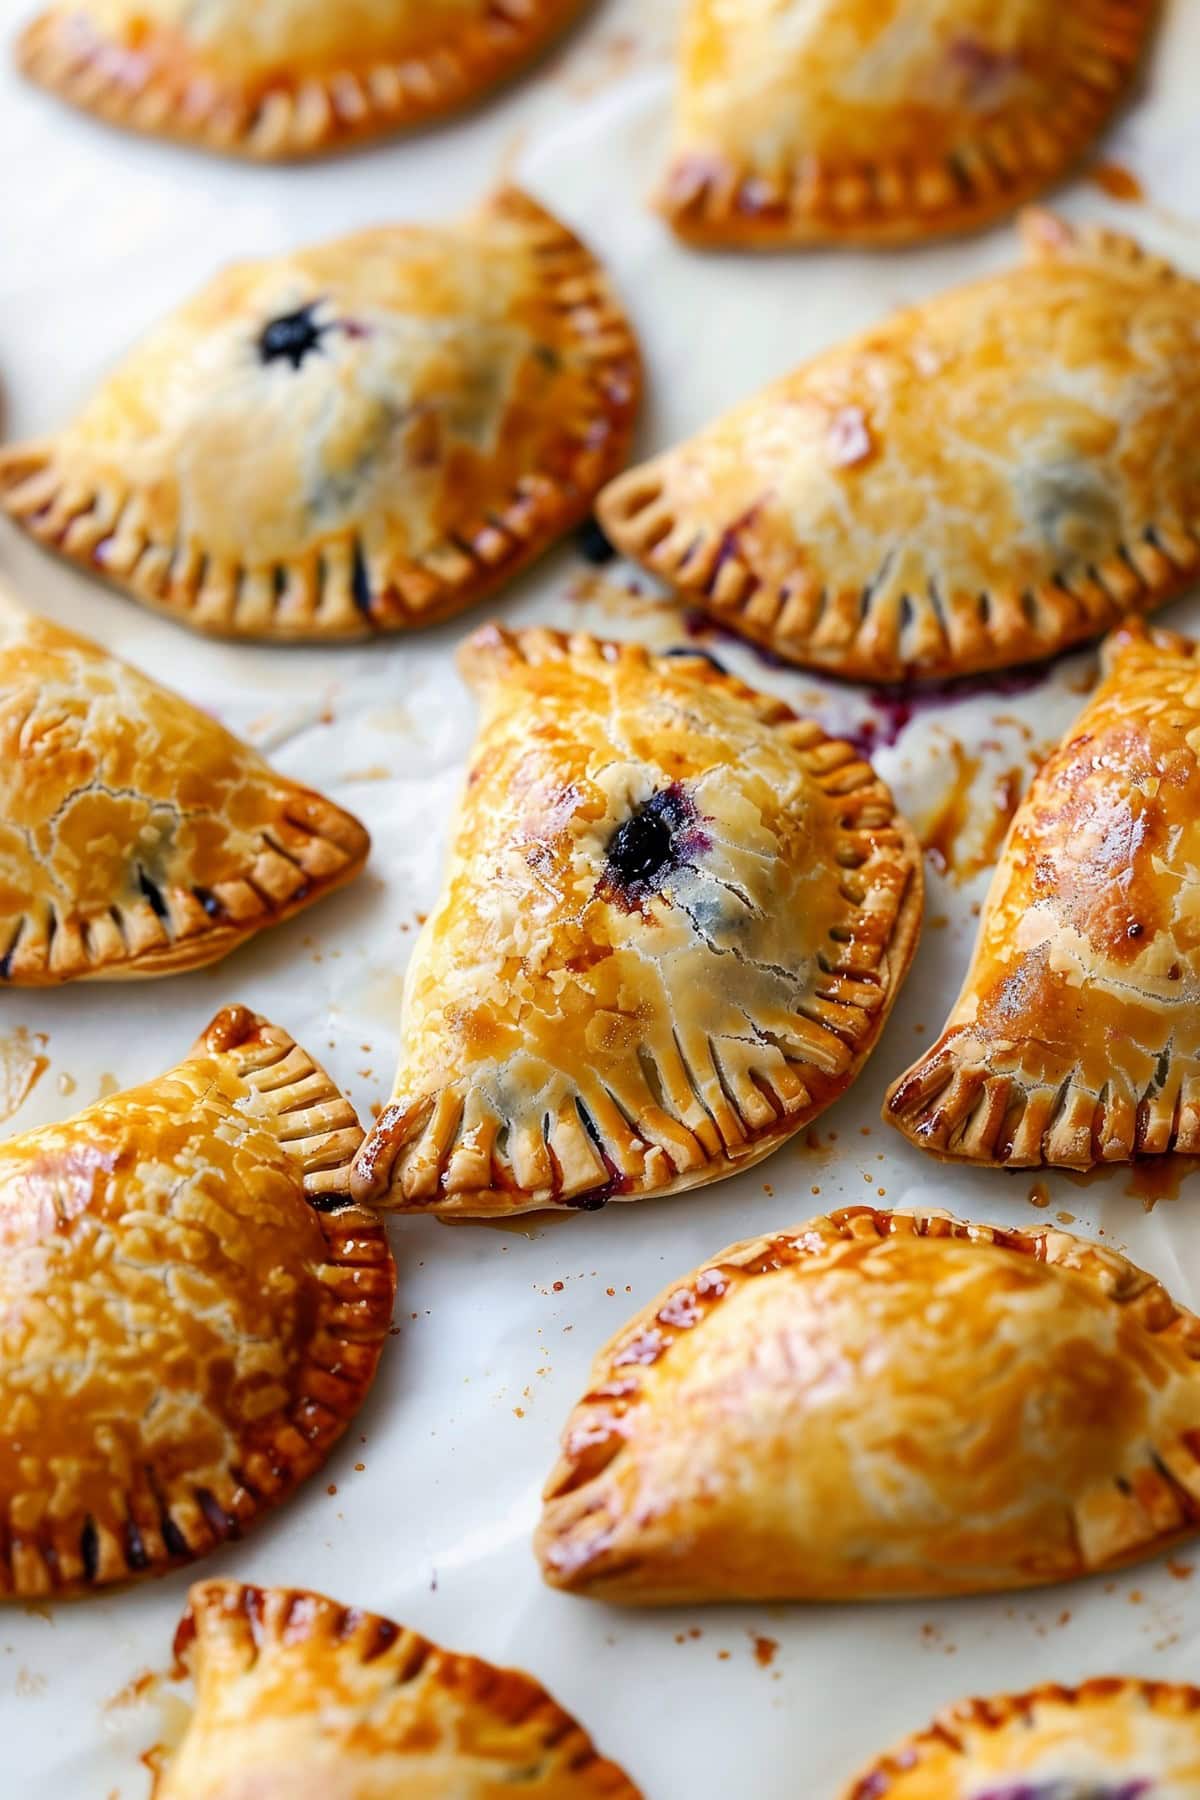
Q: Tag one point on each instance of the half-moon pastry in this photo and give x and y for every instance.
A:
(1076, 1037)
(277, 79)
(880, 1405)
(884, 121)
(674, 921)
(298, 1698)
(982, 480)
(1111, 1739)
(363, 436)
(138, 836)
(190, 1313)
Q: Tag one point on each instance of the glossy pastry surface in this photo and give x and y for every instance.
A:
(880, 1405)
(1076, 1037)
(363, 436)
(299, 1698)
(281, 78)
(190, 1313)
(982, 480)
(885, 121)
(674, 920)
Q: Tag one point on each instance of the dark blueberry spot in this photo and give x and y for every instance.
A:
(360, 582)
(655, 840)
(89, 1549)
(1066, 1788)
(327, 1203)
(209, 902)
(594, 547)
(714, 662)
(153, 893)
(221, 1524)
(594, 1199)
(173, 1538)
(136, 1554)
(6, 964)
(1135, 930)
(292, 337)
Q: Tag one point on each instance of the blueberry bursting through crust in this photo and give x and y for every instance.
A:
(660, 837)
(292, 337)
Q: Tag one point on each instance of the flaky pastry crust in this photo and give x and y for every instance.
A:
(281, 79)
(880, 1405)
(298, 1698)
(1112, 1738)
(982, 480)
(364, 436)
(885, 121)
(137, 836)
(674, 921)
(1076, 1037)
(191, 1313)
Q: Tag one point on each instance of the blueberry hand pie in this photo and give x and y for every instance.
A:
(879, 1405)
(979, 481)
(138, 836)
(360, 437)
(883, 121)
(674, 921)
(1111, 1739)
(190, 1313)
(1076, 1037)
(281, 78)
(298, 1698)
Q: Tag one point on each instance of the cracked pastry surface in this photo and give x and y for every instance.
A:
(362, 436)
(192, 1313)
(880, 1405)
(137, 836)
(1074, 1040)
(982, 480)
(674, 920)
(1110, 1739)
(281, 78)
(300, 1698)
(885, 121)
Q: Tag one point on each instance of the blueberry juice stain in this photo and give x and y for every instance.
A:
(650, 845)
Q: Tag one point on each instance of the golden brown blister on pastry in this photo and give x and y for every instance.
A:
(281, 78)
(363, 436)
(876, 1405)
(674, 921)
(192, 1312)
(1110, 1739)
(137, 836)
(299, 1698)
(982, 480)
(1076, 1036)
(885, 121)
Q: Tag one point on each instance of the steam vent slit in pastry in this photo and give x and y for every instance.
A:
(885, 121)
(1076, 1037)
(982, 480)
(880, 1405)
(364, 436)
(298, 1697)
(192, 1311)
(281, 79)
(1111, 1739)
(137, 836)
(674, 921)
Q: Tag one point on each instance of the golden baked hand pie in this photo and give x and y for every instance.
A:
(882, 121)
(360, 437)
(674, 921)
(281, 78)
(138, 836)
(191, 1314)
(1111, 1739)
(1076, 1037)
(298, 1698)
(979, 481)
(877, 1405)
